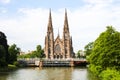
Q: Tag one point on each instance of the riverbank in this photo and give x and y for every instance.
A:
(8, 68)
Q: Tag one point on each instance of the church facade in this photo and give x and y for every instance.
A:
(58, 48)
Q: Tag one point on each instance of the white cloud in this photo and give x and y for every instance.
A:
(85, 24)
(5, 1)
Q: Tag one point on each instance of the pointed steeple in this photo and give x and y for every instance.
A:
(71, 40)
(58, 32)
(50, 22)
(66, 20)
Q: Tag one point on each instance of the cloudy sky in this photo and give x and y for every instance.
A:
(25, 21)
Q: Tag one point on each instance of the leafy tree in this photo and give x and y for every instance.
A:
(2, 57)
(88, 48)
(39, 51)
(78, 54)
(14, 51)
(106, 49)
(4, 48)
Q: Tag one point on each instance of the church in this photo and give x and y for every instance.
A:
(58, 48)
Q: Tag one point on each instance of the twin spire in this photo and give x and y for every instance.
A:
(50, 21)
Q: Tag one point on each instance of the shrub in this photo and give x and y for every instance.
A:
(110, 74)
(95, 69)
(16, 63)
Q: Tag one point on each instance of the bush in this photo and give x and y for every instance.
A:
(95, 69)
(110, 74)
(16, 63)
(11, 67)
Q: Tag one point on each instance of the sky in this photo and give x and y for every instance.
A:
(24, 22)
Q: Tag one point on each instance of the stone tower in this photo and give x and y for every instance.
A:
(58, 48)
(49, 39)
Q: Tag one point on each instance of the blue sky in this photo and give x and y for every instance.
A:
(25, 21)
(55, 4)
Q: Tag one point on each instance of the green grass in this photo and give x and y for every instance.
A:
(8, 68)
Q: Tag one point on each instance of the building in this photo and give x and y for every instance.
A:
(58, 48)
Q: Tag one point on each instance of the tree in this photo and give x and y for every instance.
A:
(4, 47)
(106, 49)
(3, 62)
(78, 54)
(88, 48)
(39, 51)
(14, 51)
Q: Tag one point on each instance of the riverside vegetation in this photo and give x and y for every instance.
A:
(12, 63)
(9, 54)
(104, 55)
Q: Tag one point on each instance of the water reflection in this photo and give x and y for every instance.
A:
(51, 73)
(79, 74)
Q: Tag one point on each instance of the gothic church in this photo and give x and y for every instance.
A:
(58, 48)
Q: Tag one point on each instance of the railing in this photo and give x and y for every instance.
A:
(38, 59)
(51, 62)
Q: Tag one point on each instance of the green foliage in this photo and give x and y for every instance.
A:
(106, 50)
(96, 69)
(105, 57)
(16, 63)
(13, 51)
(11, 66)
(78, 54)
(38, 53)
(88, 48)
(110, 74)
(2, 57)
(29, 55)
(8, 68)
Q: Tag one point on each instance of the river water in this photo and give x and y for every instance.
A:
(48, 73)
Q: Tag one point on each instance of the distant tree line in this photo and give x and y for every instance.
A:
(38, 53)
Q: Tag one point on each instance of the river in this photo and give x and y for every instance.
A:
(48, 73)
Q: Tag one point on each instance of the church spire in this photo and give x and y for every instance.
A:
(49, 38)
(50, 28)
(66, 20)
(58, 32)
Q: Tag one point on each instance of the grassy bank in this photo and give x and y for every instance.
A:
(8, 68)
